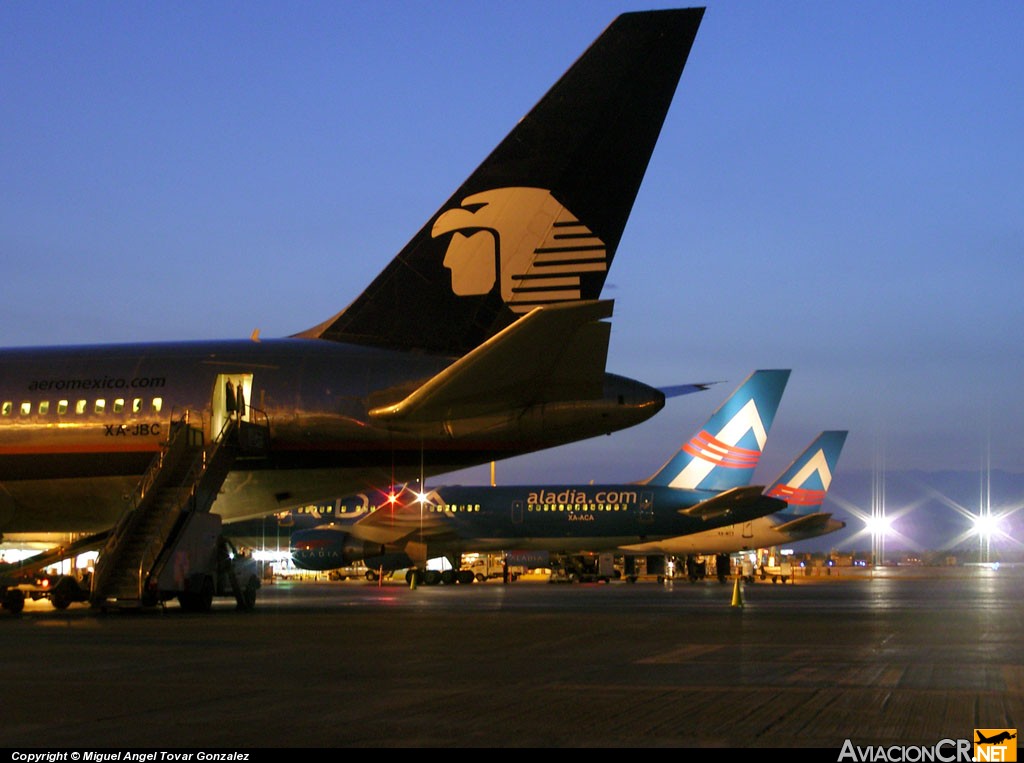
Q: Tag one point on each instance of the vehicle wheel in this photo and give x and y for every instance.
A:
(14, 601)
(448, 577)
(198, 601)
(465, 577)
(205, 601)
(371, 575)
(65, 592)
(431, 577)
(481, 578)
(248, 601)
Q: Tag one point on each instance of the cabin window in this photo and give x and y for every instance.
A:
(136, 405)
(101, 405)
(119, 405)
(62, 407)
(8, 408)
(158, 403)
(44, 407)
(80, 406)
(26, 408)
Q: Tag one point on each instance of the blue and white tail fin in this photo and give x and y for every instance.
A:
(805, 483)
(725, 453)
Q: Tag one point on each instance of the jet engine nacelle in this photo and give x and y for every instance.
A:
(326, 548)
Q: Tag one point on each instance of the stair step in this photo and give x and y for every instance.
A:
(166, 489)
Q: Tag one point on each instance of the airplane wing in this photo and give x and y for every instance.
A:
(736, 499)
(551, 354)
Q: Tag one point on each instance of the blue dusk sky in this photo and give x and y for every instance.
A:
(838, 189)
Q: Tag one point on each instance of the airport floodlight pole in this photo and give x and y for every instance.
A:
(878, 520)
(985, 506)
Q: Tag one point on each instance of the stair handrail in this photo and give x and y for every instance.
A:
(125, 521)
(177, 427)
(187, 501)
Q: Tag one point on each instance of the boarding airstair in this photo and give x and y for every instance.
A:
(183, 480)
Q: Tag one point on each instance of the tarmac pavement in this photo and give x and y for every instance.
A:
(895, 657)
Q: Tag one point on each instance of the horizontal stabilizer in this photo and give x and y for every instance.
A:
(551, 354)
(816, 522)
(678, 390)
(736, 499)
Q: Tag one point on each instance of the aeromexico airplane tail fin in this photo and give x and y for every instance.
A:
(539, 222)
(726, 451)
(805, 483)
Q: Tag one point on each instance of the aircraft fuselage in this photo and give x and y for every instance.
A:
(457, 519)
(762, 532)
(568, 518)
(79, 425)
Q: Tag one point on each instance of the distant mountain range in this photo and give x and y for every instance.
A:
(927, 511)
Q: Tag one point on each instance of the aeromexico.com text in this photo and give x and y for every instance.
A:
(105, 382)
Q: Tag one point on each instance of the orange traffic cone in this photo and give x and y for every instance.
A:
(737, 593)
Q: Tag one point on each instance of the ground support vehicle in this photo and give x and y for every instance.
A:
(203, 564)
(60, 590)
(353, 572)
(585, 568)
(778, 573)
(28, 579)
